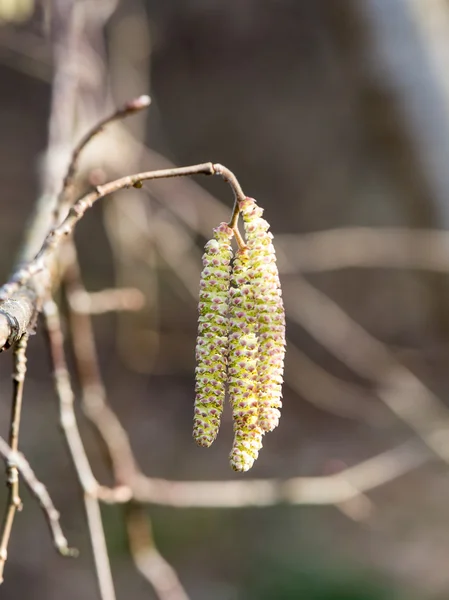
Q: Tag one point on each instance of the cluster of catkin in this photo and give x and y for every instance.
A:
(241, 338)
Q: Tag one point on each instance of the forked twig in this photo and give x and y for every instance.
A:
(41, 262)
(18, 461)
(324, 490)
(86, 478)
(147, 558)
(129, 108)
(67, 414)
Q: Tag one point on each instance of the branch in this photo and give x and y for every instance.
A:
(41, 263)
(90, 487)
(404, 394)
(329, 489)
(332, 489)
(93, 392)
(357, 247)
(67, 414)
(147, 558)
(107, 300)
(99, 548)
(18, 461)
(129, 108)
(14, 501)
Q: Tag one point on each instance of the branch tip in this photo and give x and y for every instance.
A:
(138, 104)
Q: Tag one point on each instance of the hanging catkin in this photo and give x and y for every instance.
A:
(241, 338)
(212, 341)
(242, 371)
(264, 277)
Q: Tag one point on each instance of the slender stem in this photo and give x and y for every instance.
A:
(14, 501)
(239, 196)
(37, 488)
(41, 264)
(86, 478)
(232, 180)
(322, 490)
(238, 238)
(66, 193)
(99, 549)
(147, 558)
(94, 400)
(55, 237)
(67, 413)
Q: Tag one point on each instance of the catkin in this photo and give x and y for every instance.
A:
(242, 367)
(212, 341)
(264, 278)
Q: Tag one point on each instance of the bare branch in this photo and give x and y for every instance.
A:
(128, 109)
(54, 239)
(17, 460)
(14, 501)
(329, 489)
(404, 394)
(333, 489)
(108, 300)
(17, 316)
(67, 414)
(147, 558)
(65, 47)
(364, 247)
(65, 229)
(99, 548)
(86, 478)
(327, 392)
(93, 391)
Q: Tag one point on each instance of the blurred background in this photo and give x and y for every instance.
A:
(335, 117)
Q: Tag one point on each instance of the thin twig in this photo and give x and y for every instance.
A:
(67, 414)
(326, 490)
(404, 394)
(130, 108)
(17, 460)
(310, 491)
(14, 501)
(99, 548)
(147, 558)
(66, 53)
(332, 489)
(65, 229)
(239, 196)
(364, 247)
(93, 391)
(107, 300)
(54, 239)
(91, 488)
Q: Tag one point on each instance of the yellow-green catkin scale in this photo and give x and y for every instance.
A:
(212, 341)
(264, 276)
(242, 367)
